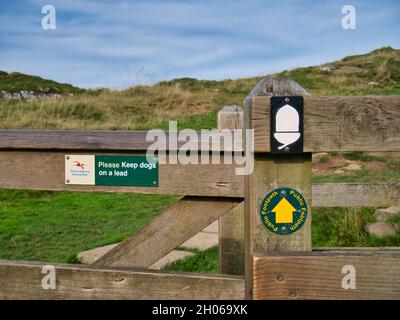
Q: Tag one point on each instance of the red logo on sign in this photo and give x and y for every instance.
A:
(79, 164)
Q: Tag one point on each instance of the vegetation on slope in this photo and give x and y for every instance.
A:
(377, 72)
(189, 100)
(15, 82)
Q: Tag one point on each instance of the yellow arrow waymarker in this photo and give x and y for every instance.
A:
(284, 212)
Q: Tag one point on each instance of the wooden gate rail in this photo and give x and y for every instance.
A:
(105, 140)
(365, 123)
(44, 170)
(359, 123)
(23, 280)
(368, 194)
(319, 275)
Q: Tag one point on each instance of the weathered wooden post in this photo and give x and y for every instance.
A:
(231, 225)
(272, 171)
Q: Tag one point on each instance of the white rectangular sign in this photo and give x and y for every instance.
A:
(79, 169)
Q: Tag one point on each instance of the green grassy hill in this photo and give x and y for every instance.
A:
(15, 81)
(377, 72)
(192, 102)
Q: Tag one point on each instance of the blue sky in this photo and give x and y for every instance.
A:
(119, 43)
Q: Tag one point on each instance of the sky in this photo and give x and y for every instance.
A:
(120, 43)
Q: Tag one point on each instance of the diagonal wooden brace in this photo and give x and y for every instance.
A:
(166, 232)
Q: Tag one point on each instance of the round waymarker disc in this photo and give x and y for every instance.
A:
(283, 211)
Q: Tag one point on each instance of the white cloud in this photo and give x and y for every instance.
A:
(120, 43)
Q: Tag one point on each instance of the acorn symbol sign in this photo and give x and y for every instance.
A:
(287, 126)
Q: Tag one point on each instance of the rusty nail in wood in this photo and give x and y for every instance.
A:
(280, 277)
(292, 293)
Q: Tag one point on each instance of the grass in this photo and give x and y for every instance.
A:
(346, 227)
(55, 226)
(189, 101)
(203, 261)
(374, 73)
(394, 219)
(204, 121)
(15, 81)
(138, 108)
(389, 171)
(362, 156)
(363, 175)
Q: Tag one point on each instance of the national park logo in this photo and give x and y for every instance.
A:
(283, 211)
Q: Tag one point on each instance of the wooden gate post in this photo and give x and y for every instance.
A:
(231, 225)
(270, 172)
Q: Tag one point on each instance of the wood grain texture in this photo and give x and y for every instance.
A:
(167, 231)
(230, 117)
(231, 225)
(275, 171)
(45, 170)
(109, 140)
(283, 86)
(231, 241)
(22, 281)
(270, 172)
(319, 275)
(365, 123)
(355, 194)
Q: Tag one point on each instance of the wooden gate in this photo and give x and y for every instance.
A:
(256, 264)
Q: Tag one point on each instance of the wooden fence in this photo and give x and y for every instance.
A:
(254, 263)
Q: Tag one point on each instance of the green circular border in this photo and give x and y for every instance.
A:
(283, 228)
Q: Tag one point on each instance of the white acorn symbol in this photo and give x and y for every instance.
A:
(287, 126)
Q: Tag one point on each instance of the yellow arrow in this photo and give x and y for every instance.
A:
(284, 212)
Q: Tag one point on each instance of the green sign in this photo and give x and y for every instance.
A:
(283, 211)
(126, 171)
(139, 171)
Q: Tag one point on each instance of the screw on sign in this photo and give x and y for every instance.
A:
(283, 211)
